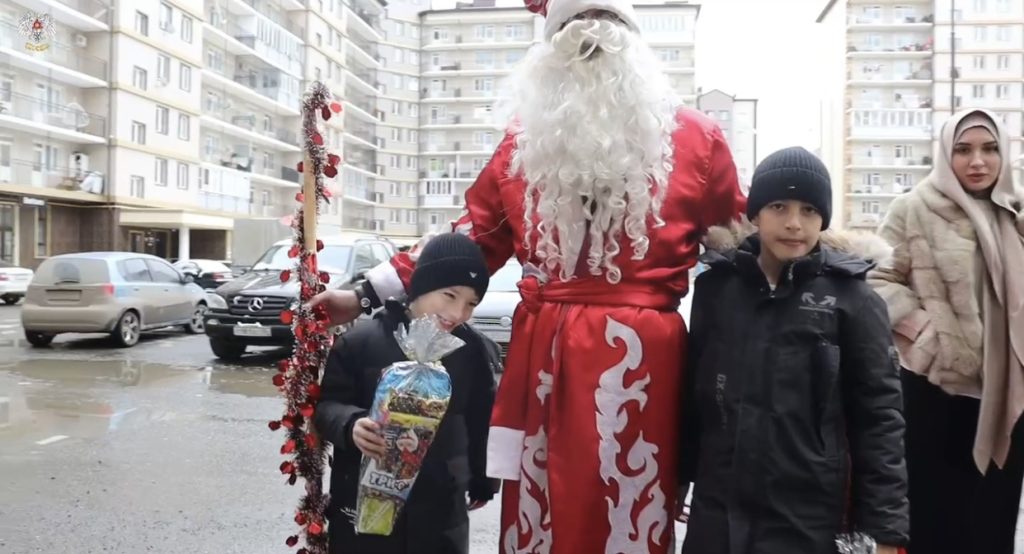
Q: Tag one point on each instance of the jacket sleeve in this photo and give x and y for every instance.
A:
(722, 201)
(890, 278)
(873, 403)
(478, 418)
(689, 429)
(483, 219)
(339, 407)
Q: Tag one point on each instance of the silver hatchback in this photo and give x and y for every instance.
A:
(120, 293)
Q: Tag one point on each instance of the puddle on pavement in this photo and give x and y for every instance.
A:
(41, 399)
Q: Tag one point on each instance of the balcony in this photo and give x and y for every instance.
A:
(84, 15)
(886, 162)
(441, 201)
(67, 122)
(865, 220)
(366, 23)
(220, 202)
(26, 173)
(266, 9)
(232, 121)
(274, 211)
(238, 28)
(889, 190)
(893, 20)
(917, 49)
(879, 74)
(895, 123)
(63, 62)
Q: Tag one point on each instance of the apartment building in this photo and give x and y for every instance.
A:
(172, 126)
(466, 55)
(909, 64)
(737, 117)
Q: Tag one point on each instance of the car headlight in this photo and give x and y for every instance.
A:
(506, 321)
(216, 301)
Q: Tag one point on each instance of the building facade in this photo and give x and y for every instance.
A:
(908, 66)
(172, 126)
(737, 118)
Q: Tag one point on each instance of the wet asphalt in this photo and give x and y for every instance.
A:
(156, 448)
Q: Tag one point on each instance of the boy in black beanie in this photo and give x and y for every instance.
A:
(793, 425)
(449, 281)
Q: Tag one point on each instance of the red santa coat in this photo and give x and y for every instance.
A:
(585, 423)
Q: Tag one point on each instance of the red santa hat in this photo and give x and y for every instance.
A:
(559, 12)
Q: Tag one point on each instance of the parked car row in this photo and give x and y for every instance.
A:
(14, 282)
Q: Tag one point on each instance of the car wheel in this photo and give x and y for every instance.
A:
(128, 330)
(227, 350)
(39, 340)
(196, 326)
(10, 300)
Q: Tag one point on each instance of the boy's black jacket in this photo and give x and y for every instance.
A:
(793, 425)
(456, 461)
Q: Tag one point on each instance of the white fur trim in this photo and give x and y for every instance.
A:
(504, 453)
(386, 282)
(560, 11)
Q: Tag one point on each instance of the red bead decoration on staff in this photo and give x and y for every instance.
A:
(299, 376)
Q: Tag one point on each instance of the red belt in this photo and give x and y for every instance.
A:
(597, 291)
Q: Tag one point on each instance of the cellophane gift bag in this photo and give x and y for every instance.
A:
(411, 398)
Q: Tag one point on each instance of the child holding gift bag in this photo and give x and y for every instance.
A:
(450, 280)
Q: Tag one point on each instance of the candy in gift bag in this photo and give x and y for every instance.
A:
(412, 397)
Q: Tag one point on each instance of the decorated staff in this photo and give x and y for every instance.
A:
(299, 377)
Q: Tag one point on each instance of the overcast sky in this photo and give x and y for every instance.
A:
(764, 49)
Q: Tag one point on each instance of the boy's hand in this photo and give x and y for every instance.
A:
(366, 437)
(880, 549)
(342, 306)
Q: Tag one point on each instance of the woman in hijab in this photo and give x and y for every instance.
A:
(954, 287)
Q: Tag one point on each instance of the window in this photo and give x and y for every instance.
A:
(1002, 91)
(410, 190)
(903, 151)
(142, 23)
(414, 109)
(414, 84)
(163, 69)
(184, 127)
(163, 272)
(166, 17)
(138, 132)
(396, 217)
(162, 120)
(42, 231)
(980, 5)
(414, 136)
(394, 190)
(483, 85)
(396, 108)
(724, 115)
(1004, 62)
(160, 179)
(440, 33)
(134, 270)
(186, 29)
(1003, 6)
(483, 32)
(138, 186)
(979, 62)
(411, 162)
(399, 29)
(515, 32)
(435, 218)
(399, 55)
(483, 138)
(395, 133)
(485, 58)
(410, 217)
(870, 207)
(981, 34)
(978, 91)
(394, 162)
(1003, 33)
(479, 163)
(183, 176)
(414, 57)
(140, 77)
(513, 57)
(185, 78)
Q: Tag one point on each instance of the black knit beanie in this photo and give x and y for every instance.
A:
(449, 260)
(791, 174)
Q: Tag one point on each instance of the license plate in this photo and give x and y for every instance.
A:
(246, 331)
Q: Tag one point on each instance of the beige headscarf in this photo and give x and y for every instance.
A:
(1002, 247)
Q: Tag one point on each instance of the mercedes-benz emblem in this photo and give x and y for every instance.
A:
(256, 304)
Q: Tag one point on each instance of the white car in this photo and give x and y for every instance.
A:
(14, 282)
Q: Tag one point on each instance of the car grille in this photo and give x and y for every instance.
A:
(487, 321)
(243, 305)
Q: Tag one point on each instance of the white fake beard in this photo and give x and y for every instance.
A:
(593, 115)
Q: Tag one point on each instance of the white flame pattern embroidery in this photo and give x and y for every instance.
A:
(625, 536)
(534, 518)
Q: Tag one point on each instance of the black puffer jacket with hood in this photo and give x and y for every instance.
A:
(793, 429)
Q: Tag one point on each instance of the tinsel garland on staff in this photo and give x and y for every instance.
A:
(298, 378)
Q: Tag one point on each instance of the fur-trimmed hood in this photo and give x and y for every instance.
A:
(852, 252)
